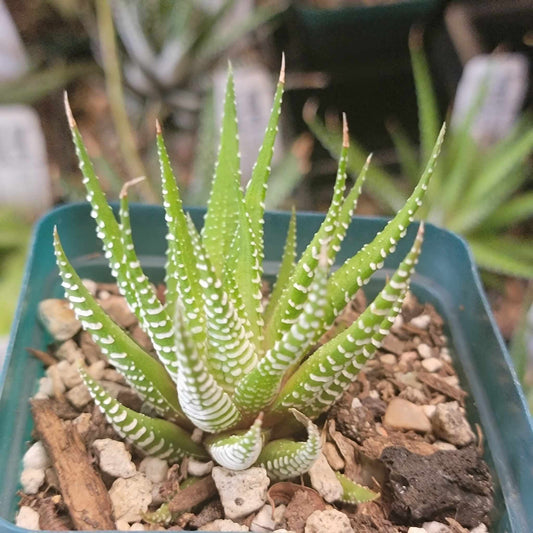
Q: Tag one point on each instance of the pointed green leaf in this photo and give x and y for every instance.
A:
(257, 186)
(154, 436)
(181, 275)
(203, 400)
(146, 375)
(284, 458)
(230, 352)
(504, 254)
(350, 277)
(258, 388)
(155, 319)
(322, 378)
(239, 450)
(285, 269)
(515, 210)
(353, 492)
(407, 154)
(293, 298)
(428, 110)
(381, 185)
(222, 214)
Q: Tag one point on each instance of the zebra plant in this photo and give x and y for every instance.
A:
(244, 373)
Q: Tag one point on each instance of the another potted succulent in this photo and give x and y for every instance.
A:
(248, 374)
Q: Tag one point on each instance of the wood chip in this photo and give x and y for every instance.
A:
(194, 494)
(83, 490)
(45, 357)
(438, 384)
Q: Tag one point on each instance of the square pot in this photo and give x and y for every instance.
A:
(446, 277)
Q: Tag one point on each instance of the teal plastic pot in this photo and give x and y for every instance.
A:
(446, 277)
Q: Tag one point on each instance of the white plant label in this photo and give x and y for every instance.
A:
(504, 79)
(24, 180)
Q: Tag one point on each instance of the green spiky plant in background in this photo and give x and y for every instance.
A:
(476, 192)
(243, 373)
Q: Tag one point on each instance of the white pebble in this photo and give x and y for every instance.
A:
(199, 468)
(421, 321)
(114, 459)
(137, 526)
(431, 364)
(154, 469)
(27, 518)
(31, 480)
(424, 350)
(36, 457)
(131, 497)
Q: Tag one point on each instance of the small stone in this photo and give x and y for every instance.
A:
(57, 317)
(122, 525)
(31, 480)
(332, 455)
(241, 492)
(117, 308)
(388, 359)
(421, 321)
(224, 525)
(69, 351)
(27, 518)
(409, 357)
(83, 424)
(432, 364)
(69, 374)
(416, 530)
(329, 520)
(436, 527)
(141, 338)
(199, 468)
(46, 388)
(324, 480)
(452, 380)
(424, 350)
(397, 324)
(36, 457)
(154, 469)
(90, 349)
(90, 285)
(114, 459)
(79, 396)
(450, 424)
(413, 395)
(482, 528)
(429, 410)
(96, 370)
(110, 374)
(445, 354)
(409, 379)
(51, 478)
(402, 414)
(265, 521)
(441, 445)
(131, 497)
(137, 526)
(57, 383)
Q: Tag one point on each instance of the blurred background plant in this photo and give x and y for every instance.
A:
(478, 192)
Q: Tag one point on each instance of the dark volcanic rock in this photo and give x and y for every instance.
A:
(422, 488)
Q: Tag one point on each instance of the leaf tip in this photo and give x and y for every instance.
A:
(345, 132)
(68, 111)
(158, 129)
(282, 69)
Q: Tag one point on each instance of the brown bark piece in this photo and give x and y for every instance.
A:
(45, 357)
(193, 495)
(438, 384)
(82, 488)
